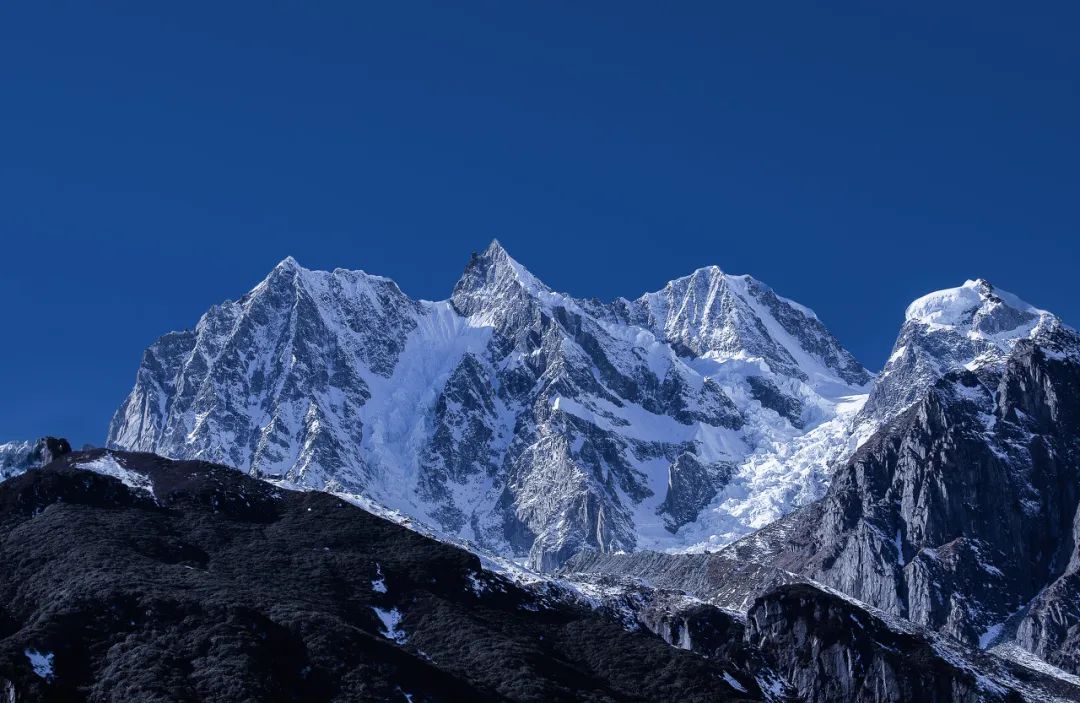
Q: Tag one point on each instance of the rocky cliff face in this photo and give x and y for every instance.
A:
(832, 649)
(1050, 625)
(963, 511)
(522, 419)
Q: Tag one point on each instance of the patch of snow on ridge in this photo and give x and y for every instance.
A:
(1021, 656)
(41, 662)
(991, 635)
(378, 584)
(952, 306)
(733, 682)
(946, 307)
(107, 465)
(391, 621)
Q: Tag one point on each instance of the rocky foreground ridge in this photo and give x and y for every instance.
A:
(127, 576)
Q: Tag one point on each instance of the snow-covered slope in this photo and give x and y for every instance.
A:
(528, 421)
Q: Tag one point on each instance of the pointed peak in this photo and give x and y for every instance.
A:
(287, 272)
(714, 274)
(494, 265)
(703, 272)
(495, 250)
(289, 264)
(492, 278)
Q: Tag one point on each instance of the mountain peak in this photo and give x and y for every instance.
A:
(726, 317)
(493, 277)
(495, 249)
(977, 307)
(288, 263)
(503, 264)
(971, 326)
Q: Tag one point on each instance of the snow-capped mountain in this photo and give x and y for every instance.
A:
(972, 327)
(523, 419)
(959, 513)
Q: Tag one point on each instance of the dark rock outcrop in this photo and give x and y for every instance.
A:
(831, 649)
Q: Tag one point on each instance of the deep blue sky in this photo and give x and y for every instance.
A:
(154, 162)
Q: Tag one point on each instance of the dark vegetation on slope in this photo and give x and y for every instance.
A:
(219, 587)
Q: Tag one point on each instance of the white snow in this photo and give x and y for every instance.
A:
(379, 583)
(734, 683)
(41, 662)
(959, 309)
(946, 307)
(477, 585)
(771, 686)
(391, 620)
(788, 469)
(108, 465)
(991, 634)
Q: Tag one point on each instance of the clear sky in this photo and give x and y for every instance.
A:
(155, 161)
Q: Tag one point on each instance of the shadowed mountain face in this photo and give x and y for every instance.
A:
(138, 578)
(522, 419)
(131, 577)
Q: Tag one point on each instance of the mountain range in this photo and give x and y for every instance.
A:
(705, 463)
(527, 421)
